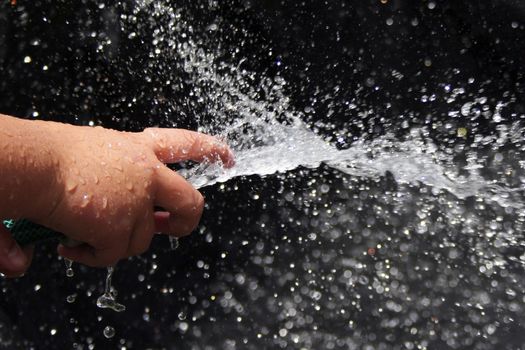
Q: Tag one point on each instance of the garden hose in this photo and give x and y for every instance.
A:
(26, 232)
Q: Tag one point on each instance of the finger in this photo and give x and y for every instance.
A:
(162, 225)
(181, 226)
(162, 222)
(175, 145)
(184, 203)
(28, 251)
(87, 255)
(13, 260)
(140, 239)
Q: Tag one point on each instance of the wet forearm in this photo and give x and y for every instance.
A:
(28, 163)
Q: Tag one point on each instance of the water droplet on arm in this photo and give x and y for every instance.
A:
(85, 200)
(71, 185)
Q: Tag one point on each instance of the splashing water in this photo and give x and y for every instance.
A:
(108, 299)
(269, 136)
(410, 161)
(407, 237)
(423, 261)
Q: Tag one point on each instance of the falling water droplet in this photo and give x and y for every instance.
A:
(107, 300)
(71, 298)
(109, 332)
(174, 242)
(69, 267)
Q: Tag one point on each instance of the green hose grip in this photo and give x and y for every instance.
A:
(26, 232)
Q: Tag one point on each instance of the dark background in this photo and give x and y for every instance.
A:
(330, 53)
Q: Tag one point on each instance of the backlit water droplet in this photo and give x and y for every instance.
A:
(107, 300)
(109, 332)
(69, 267)
(174, 242)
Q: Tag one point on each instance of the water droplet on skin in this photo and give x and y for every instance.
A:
(129, 186)
(104, 202)
(118, 167)
(161, 143)
(96, 180)
(85, 200)
(109, 332)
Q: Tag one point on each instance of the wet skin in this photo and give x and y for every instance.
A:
(98, 186)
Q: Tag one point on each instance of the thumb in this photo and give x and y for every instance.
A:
(13, 260)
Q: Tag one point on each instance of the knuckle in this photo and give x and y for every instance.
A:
(155, 135)
(192, 140)
(150, 131)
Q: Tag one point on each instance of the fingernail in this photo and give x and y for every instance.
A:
(16, 256)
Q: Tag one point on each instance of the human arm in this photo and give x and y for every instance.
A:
(99, 186)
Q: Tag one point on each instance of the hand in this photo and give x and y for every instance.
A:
(109, 182)
(14, 261)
